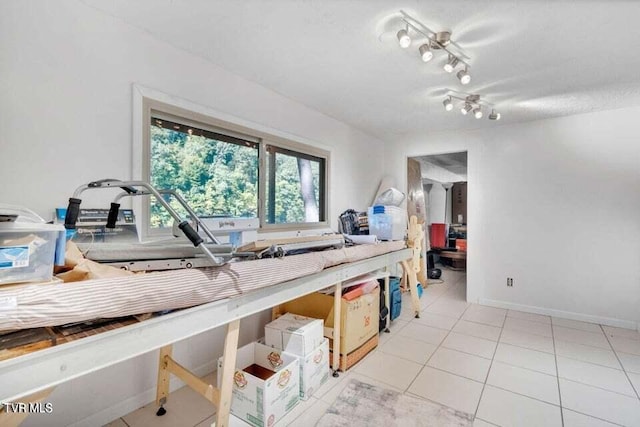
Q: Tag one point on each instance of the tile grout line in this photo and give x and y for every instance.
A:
(303, 412)
(529, 319)
(599, 388)
(437, 348)
(524, 395)
(205, 418)
(555, 358)
(626, 374)
(595, 418)
(495, 350)
(319, 399)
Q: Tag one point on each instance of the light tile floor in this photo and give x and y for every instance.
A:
(505, 367)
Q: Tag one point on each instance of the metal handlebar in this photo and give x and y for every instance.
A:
(130, 189)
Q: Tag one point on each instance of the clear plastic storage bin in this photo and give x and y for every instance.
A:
(387, 222)
(28, 251)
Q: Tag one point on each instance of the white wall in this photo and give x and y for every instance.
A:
(437, 204)
(553, 204)
(65, 110)
(438, 198)
(438, 173)
(66, 76)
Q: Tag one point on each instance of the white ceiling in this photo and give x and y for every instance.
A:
(456, 163)
(533, 59)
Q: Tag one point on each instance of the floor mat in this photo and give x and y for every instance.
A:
(364, 405)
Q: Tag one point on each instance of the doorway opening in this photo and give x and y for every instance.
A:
(442, 178)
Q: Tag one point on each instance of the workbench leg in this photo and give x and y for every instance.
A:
(164, 377)
(337, 300)
(387, 300)
(413, 287)
(415, 299)
(228, 371)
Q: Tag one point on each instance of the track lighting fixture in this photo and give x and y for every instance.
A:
(451, 64)
(403, 38)
(448, 104)
(471, 103)
(435, 41)
(425, 52)
(464, 76)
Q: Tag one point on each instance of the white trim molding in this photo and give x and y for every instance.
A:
(607, 321)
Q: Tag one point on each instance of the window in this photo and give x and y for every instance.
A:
(217, 174)
(295, 190)
(225, 170)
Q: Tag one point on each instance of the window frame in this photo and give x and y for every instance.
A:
(191, 114)
(284, 145)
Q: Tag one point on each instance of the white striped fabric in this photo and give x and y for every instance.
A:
(31, 306)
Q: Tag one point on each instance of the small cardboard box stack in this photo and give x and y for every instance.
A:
(358, 322)
(266, 384)
(302, 337)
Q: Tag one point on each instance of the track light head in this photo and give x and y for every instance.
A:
(464, 76)
(494, 115)
(448, 104)
(451, 64)
(477, 112)
(425, 52)
(467, 107)
(403, 38)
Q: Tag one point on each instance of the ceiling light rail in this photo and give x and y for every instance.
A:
(470, 103)
(435, 41)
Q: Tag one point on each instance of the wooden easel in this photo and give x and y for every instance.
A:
(220, 397)
(411, 267)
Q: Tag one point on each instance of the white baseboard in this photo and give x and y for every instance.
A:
(134, 402)
(608, 321)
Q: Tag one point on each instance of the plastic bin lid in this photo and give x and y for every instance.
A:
(29, 227)
(21, 214)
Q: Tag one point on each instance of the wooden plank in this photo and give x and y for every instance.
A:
(22, 376)
(164, 376)
(261, 245)
(337, 314)
(387, 300)
(411, 267)
(228, 371)
(17, 343)
(417, 206)
(68, 333)
(208, 391)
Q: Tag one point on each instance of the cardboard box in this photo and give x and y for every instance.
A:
(264, 399)
(314, 370)
(358, 317)
(295, 334)
(348, 360)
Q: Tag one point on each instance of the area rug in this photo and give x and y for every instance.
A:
(365, 405)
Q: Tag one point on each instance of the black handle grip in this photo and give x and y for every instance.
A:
(73, 209)
(191, 234)
(113, 215)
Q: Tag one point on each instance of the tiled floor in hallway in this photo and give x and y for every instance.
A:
(507, 368)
